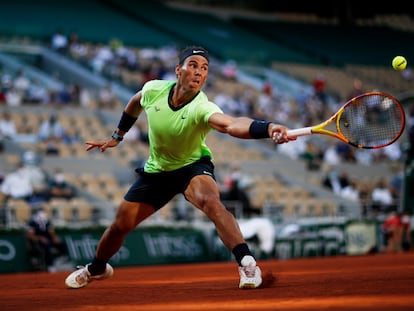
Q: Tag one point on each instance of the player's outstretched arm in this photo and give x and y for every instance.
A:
(247, 128)
(130, 114)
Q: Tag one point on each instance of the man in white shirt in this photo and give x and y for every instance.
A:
(17, 185)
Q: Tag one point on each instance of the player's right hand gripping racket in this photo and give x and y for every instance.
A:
(371, 120)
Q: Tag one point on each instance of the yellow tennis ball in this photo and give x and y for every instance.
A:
(399, 63)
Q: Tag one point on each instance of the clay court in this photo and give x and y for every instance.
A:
(372, 282)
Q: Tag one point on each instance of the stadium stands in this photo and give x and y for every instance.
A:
(282, 186)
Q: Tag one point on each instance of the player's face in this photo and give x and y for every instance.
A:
(193, 73)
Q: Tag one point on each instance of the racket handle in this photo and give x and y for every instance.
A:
(299, 132)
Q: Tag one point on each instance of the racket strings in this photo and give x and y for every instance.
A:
(371, 121)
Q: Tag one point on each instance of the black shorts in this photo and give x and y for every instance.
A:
(157, 189)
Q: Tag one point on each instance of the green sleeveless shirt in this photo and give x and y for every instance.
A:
(177, 138)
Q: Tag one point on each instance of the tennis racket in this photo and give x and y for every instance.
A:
(371, 120)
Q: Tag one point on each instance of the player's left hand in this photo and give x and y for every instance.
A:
(102, 145)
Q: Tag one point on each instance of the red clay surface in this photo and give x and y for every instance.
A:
(372, 282)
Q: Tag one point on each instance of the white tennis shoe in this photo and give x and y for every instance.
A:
(83, 277)
(250, 274)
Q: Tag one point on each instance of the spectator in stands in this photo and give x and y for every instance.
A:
(244, 182)
(59, 41)
(103, 55)
(266, 104)
(381, 196)
(397, 180)
(51, 133)
(226, 102)
(351, 191)
(17, 185)
(229, 70)
(78, 50)
(43, 240)
(313, 156)
(180, 116)
(336, 182)
(107, 98)
(331, 155)
(58, 187)
(345, 151)
(393, 152)
(319, 87)
(254, 227)
(37, 93)
(357, 89)
(236, 193)
(13, 98)
(7, 129)
(71, 136)
(21, 83)
(65, 95)
(365, 198)
(37, 176)
(153, 71)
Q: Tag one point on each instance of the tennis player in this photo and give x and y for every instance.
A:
(179, 118)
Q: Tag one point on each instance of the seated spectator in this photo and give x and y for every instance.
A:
(21, 82)
(346, 152)
(51, 133)
(59, 41)
(71, 136)
(236, 193)
(319, 87)
(51, 128)
(229, 70)
(17, 185)
(313, 156)
(37, 176)
(381, 196)
(58, 187)
(7, 129)
(351, 191)
(107, 98)
(331, 155)
(43, 240)
(336, 182)
(37, 93)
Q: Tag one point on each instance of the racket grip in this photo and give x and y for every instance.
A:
(299, 132)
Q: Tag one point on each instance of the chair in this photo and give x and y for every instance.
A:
(20, 211)
(80, 211)
(59, 208)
